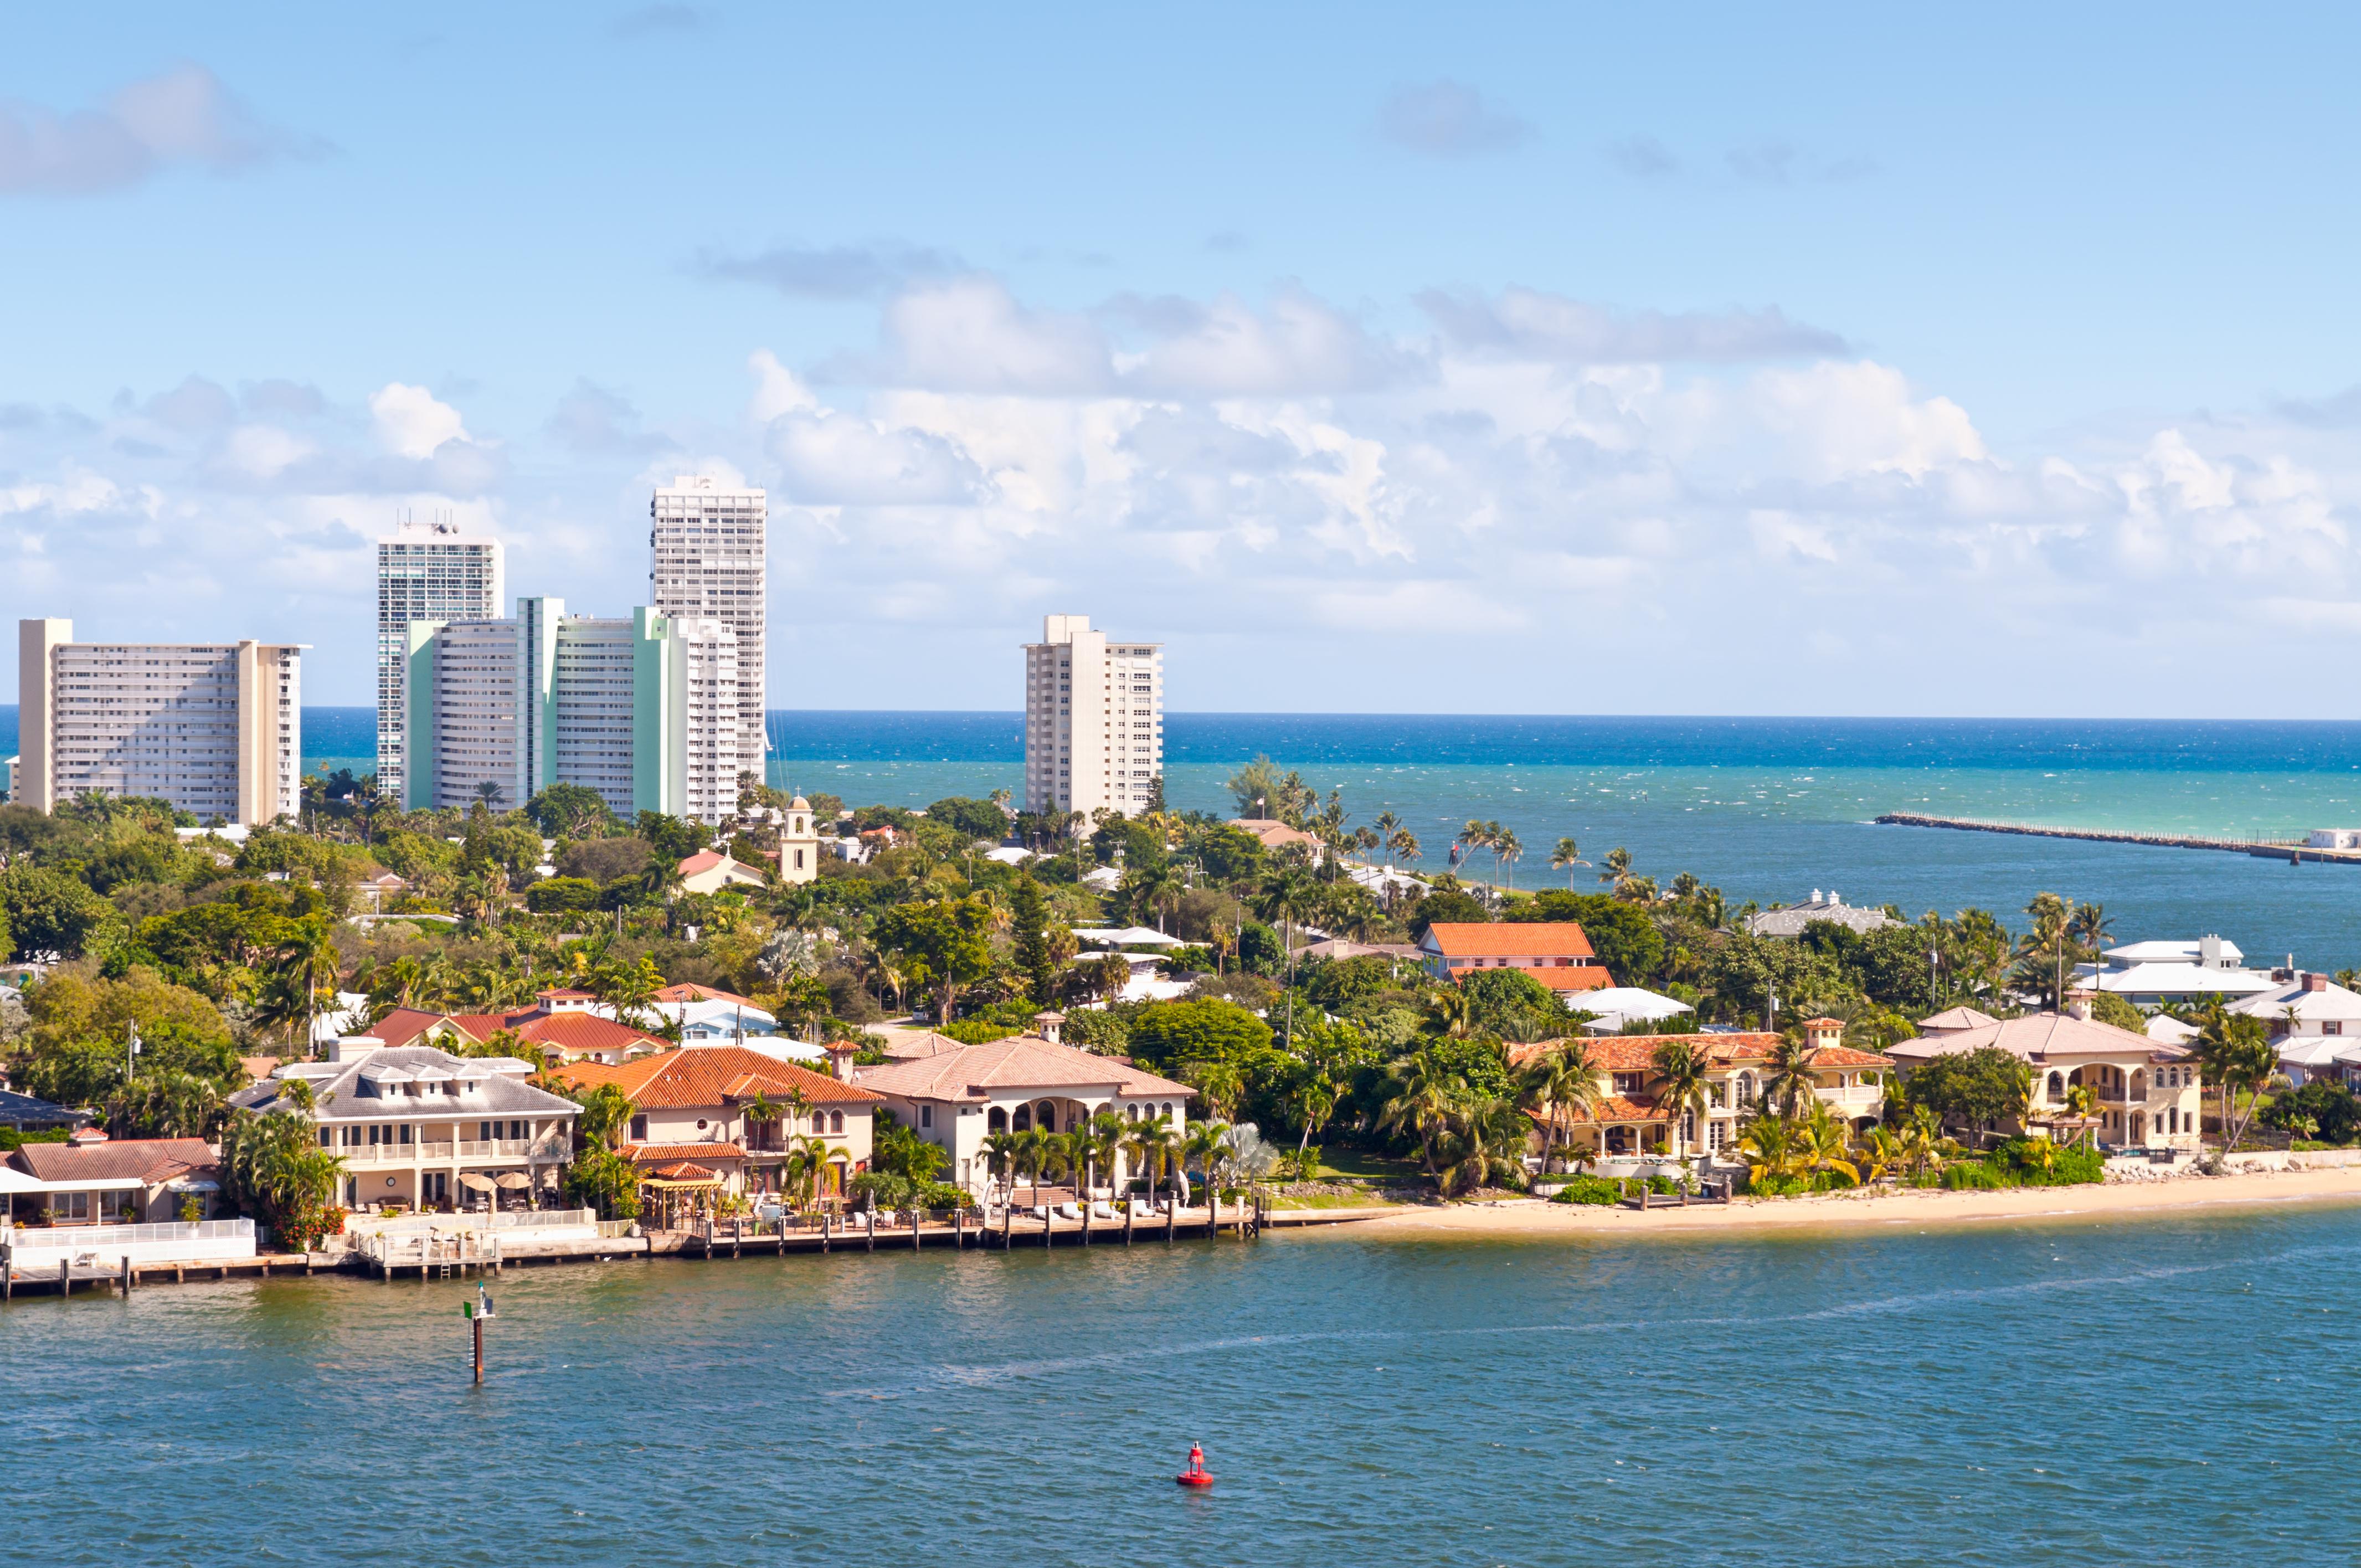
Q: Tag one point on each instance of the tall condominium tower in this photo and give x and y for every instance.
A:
(424, 572)
(214, 727)
(709, 559)
(1094, 719)
(644, 711)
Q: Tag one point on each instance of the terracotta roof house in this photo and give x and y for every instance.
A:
(1553, 952)
(570, 1035)
(143, 1180)
(691, 1104)
(1952, 1018)
(711, 870)
(1271, 833)
(420, 1127)
(960, 1096)
(1631, 1120)
(2148, 1094)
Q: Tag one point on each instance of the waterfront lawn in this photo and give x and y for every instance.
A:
(1353, 1165)
(1332, 1200)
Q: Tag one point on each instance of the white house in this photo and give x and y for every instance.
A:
(958, 1097)
(2316, 1024)
(1617, 1005)
(2148, 974)
(2146, 1091)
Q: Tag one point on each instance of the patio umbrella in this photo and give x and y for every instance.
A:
(479, 1183)
(514, 1180)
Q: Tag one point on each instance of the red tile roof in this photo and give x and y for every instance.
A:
(683, 1170)
(708, 1075)
(643, 1154)
(1847, 1055)
(1636, 1053)
(569, 1032)
(1616, 1108)
(1507, 939)
(1022, 1063)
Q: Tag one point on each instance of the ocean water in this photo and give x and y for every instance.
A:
(1768, 809)
(2160, 1390)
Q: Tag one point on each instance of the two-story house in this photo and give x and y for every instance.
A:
(420, 1127)
(731, 1117)
(2146, 1089)
(1630, 1115)
(2316, 1024)
(1553, 952)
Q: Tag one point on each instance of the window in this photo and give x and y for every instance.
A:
(64, 1206)
(836, 1121)
(2333, 1027)
(640, 1129)
(926, 1115)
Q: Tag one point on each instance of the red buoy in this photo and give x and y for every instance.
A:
(1196, 1474)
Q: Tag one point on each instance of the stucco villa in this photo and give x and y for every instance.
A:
(418, 1126)
(698, 1120)
(560, 1021)
(2148, 1094)
(1630, 1118)
(957, 1095)
(1553, 952)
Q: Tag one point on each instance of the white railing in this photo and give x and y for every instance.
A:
(182, 1240)
(366, 1155)
(508, 1220)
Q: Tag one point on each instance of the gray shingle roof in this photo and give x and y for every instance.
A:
(367, 1089)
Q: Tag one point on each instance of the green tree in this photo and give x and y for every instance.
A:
(1511, 1003)
(672, 838)
(1684, 1089)
(1976, 1088)
(570, 811)
(1165, 1034)
(46, 910)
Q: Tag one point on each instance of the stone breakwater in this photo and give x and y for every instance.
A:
(2292, 850)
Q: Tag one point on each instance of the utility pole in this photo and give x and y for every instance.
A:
(130, 1049)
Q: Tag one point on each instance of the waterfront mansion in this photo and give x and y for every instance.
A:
(419, 1127)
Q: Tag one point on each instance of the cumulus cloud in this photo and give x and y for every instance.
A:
(833, 272)
(1642, 157)
(410, 422)
(183, 118)
(1447, 119)
(591, 420)
(1530, 324)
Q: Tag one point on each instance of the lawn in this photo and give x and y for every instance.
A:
(1331, 1201)
(1353, 1165)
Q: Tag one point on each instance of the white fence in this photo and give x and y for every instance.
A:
(191, 1242)
(520, 1224)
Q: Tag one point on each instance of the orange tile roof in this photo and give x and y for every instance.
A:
(642, 1154)
(1636, 1053)
(708, 1075)
(682, 1170)
(1616, 1108)
(1018, 1062)
(564, 1031)
(1847, 1056)
(1507, 939)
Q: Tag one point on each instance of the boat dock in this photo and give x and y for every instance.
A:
(2293, 850)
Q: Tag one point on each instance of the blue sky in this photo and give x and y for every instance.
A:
(1520, 359)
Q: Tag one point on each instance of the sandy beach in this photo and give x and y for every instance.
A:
(2129, 1200)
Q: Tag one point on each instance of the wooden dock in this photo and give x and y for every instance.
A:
(2293, 850)
(64, 1279)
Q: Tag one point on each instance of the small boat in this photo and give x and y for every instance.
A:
(1196, 1474)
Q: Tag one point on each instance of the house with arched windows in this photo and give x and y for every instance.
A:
(2146, 1091)
(958, 1095)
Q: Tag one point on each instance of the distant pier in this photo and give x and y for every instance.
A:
(2291, 849)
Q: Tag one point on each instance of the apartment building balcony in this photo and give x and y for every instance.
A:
(369, 1156)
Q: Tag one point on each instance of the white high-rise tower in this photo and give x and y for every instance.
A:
(424, 572)
(710, 559)
(1094, 719)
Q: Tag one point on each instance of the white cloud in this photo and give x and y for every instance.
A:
(182, 117)
(1449, 119)
(410, 422)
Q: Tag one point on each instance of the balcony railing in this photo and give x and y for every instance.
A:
(553, 1146)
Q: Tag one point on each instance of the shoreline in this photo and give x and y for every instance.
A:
(1530, 1218)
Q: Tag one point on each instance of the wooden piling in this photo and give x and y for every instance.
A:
(1172, 1220)
(127, 1276)
(873, 1229)
(1127, 1217)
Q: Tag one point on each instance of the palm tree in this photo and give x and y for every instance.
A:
(1562, 1084)
(1826, 1144)
(1485, 1141)
(1424, 1092)
(807, 1169)
(607, 1113)
(1683, 1089)
(1314, 1099)
(1032, 1150)
(1565, 857)
(1107, 1133)
(1615, 871)
(1153, 1145)
(490, 793)
(2091, 929)
(1507, 850)
(1153, 890)
(1403, 846)
(1386, 824)
(1002, 1151)
(1477, 835)
(1788, 1082)
(1449, 1013)
(1770, 1146)
(1201, 1146)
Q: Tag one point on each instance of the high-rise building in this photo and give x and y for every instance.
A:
(643, 711)
(215, 729)
(709, 558)
(1094, 719)
(424, 572)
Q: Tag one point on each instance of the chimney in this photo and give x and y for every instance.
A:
(352, 1047)
(2077, 1006)
(839, 1058)
(1047, 1025)
(1834, 900)
(1816, 898)
(2208, 952)
(2312, 982)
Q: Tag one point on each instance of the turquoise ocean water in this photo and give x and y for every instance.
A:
(2156, 1391)
(1767, 808)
